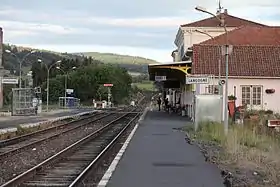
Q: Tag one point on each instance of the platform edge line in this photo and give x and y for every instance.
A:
(108, 174)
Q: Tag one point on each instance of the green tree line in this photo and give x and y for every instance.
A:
(86, 79)
(88, 83)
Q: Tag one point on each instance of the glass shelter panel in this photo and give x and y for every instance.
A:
(22, 103)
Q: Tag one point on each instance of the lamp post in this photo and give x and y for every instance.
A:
(48, 78)
(222, 21)
(20, 61)
(219, 76)
(65, 82)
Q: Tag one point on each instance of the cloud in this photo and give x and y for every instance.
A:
(79, 17)
(33, 33)
(151, 35)
(41, 27)
(141, 24)
(138, 22)
(178, 13)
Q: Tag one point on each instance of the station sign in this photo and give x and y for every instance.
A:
(197, 80)
(160, 78)
(69, 91)
(9, 81)
(108, 85)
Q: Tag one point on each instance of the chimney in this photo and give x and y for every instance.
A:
(226, 12)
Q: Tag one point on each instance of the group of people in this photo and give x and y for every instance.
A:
(166, 103)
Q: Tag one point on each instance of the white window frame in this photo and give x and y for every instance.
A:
(212, 89)
(252, 95)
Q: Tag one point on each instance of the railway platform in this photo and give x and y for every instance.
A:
(158, 156)
(13, 121)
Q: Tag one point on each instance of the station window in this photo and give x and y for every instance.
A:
(251, 95)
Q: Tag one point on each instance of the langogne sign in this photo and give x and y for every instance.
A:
(197, 80)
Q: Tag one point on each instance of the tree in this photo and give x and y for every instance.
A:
(7, 93)
(87, 81)
(39, 73)
(102, 91)
(56, 88)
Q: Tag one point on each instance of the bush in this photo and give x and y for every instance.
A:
(248, 147)
(238, 136)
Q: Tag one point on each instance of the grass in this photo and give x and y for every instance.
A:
(251, 147)
(118, 59)
(145, 85)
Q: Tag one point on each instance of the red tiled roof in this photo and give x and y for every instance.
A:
(231, 21)
(249, 35)
(260, 61)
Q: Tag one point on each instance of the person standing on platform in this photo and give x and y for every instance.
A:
(159, 103)
(166, 103)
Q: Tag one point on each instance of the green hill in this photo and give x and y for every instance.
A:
(118, 59)
(11, 65)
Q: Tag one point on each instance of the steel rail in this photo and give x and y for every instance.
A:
(31, 172)
(103, 152)
(50, 137)
(17, 139)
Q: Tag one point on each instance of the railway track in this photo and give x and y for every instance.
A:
(70, 166)
(65, 122)
(17, 144)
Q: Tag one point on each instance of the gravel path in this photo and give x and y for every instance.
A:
(18, 163)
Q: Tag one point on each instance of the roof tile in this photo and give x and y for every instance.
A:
(246, 60)
(249, 35)
(231, 21)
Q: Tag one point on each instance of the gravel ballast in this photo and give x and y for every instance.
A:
(18, 163)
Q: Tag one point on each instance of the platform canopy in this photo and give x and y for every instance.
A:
(172, 73)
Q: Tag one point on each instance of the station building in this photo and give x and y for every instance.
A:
(199, 64)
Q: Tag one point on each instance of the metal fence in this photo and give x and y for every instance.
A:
(22, 102)
(207, 108)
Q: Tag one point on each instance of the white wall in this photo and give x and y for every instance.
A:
(192, 37)
(176, 57)
(186, 95)
(187, 36)
(269, 101)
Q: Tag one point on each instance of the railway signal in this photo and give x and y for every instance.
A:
(109, 85)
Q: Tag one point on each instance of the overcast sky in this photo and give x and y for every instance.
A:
(136, 27)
